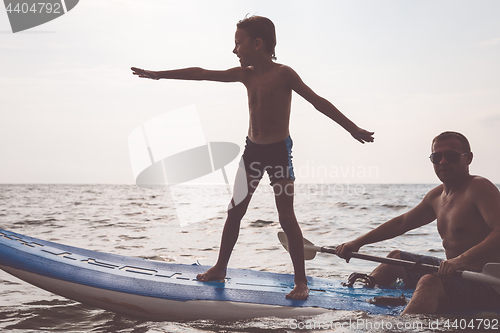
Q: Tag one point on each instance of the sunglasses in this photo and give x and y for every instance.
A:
(451, 157)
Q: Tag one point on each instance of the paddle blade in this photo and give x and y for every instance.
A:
(308, 252)
(490, 274)
(283, 239)
(493, 270)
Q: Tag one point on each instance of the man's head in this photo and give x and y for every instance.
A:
(451, 156)
(258, 27)
(454, 135)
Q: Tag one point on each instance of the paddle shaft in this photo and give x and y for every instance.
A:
(390, 261)
(491, 279)
(490, 273)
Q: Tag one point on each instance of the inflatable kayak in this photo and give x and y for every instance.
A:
(157, 290)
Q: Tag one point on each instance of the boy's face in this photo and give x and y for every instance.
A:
(244, 47)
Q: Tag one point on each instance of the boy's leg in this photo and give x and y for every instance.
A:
(230, 233)
(284, 193)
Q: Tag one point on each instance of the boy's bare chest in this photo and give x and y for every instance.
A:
(268, 89)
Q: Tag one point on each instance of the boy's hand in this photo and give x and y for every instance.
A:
(144, 73)
(362, 135)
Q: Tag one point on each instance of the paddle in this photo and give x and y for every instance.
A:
(490, 273)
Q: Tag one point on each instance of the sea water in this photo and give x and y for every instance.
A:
(128, 220)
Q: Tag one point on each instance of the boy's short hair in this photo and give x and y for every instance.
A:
(260, 27)
(449, 135)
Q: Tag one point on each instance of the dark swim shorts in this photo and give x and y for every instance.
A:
(273, 158)
(461, 294)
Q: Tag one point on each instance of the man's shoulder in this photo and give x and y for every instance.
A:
(435, 192)
(481, 185)
(480, 181)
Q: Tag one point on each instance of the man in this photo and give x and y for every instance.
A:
(467, 209)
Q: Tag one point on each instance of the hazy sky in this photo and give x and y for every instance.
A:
(407, 70)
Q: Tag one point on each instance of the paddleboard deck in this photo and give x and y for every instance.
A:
(166, 291)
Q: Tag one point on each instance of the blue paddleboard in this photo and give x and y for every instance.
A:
(165, 291)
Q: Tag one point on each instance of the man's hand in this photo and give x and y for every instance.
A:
(448, 267)
(145, 74)
(362, 135)
(344, 250)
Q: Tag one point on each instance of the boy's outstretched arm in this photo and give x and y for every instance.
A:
(327, 108)
(195, 73)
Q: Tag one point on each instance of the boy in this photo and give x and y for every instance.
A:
(269, 87)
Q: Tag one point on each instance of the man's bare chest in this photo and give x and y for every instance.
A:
(457, 218)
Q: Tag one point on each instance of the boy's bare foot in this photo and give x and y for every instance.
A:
(213, 273)
(301, 291)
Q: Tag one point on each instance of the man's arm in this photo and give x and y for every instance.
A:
(420, 215)
(324, 106)
(487, 200)
(194, 73)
